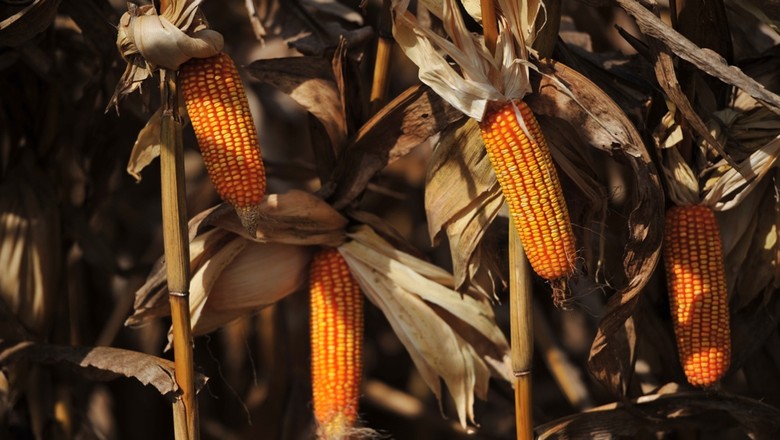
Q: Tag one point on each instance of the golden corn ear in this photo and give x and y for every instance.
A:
(529, 181)
(219, 112)
(336, 343)
(697, 292)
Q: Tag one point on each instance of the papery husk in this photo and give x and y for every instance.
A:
(29, 247)
(295, 217)
(483, 77)
(258, 276)
(754, 136)
(290, 224)
(450, 336)
(231, 277)
(149, 41)
(462, 198)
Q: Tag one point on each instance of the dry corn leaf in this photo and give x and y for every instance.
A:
(310, 82)
(462, 197)
(146, 147)
(706, 60)
(732, 187)
(567, 95)
(401, 125)
(295, 217)
(102, 363)
(710, 413)
(28, 22)
(409, 291)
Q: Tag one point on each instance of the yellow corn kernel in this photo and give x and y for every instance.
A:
(336, 343)
(696, 278)
(529, 181)
(219, 111)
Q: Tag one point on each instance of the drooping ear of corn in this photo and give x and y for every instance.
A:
(529, 181)
(219, 111)
(336, 343)
(695, 274)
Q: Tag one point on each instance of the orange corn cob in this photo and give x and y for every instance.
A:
(219, 111)
(336, 343)
(697, 292)
(529, 181)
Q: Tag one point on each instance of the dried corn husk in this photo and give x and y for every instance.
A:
(483, 77)
(148, 41)
(233, 273)
(413, 295)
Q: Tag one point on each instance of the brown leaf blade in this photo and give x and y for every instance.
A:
(404, 123)
(462, 198)
(101, 363)
(567, 95)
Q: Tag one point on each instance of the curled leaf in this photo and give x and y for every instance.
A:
(102, 363)
(569, 96)
(462, 197)
(449, 335)
(295, 217)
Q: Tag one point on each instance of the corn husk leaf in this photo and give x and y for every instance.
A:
(482, 77)
(232, 277)
(148, 41)
(151, 298)
(566, 94)
(731, 188)
(295, 217)
(710, 413)
(749, 234)
(462, 198)
(450, 336)
(683, 184)
(102, 363)
(252, 276)
(28, 22)
(260, 275)
(401, 125)
(29, 247)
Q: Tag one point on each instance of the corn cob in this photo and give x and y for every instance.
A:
(219, 111)
(697, 291)
(336, 343)
(529, 181)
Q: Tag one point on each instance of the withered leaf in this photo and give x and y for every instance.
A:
(706, 60)
(603, 124)
(28, 22)
(708, 412)
(146, 147)
(102, 363)
(462, 197)
(409, 291)
(404, 123)
(295, 217)
(310, 82)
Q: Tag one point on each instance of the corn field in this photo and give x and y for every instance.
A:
(389, 219)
